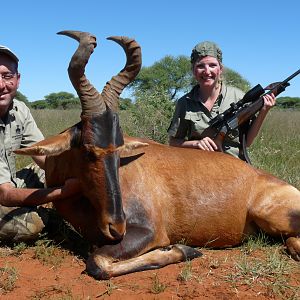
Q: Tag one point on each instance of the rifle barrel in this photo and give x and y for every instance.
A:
(291, 77)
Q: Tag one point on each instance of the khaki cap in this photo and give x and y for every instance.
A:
(6, 50)
(206, 49)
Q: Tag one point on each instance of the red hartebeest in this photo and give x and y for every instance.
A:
(168, 194)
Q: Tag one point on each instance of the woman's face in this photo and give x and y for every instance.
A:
(207, 71)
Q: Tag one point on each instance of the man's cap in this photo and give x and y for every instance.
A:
(206, 49)
(4, 49)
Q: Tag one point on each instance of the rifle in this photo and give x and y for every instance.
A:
(225, 125)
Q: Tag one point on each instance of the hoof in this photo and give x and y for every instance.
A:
(188, 252)
(94, 271)
(293, 247)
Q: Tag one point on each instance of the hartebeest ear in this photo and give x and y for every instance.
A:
(132, 145)
(51, 146)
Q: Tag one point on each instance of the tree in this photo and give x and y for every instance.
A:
(39, 104)
(57, 100)
(233, 78)
(172, 74)
(149, 116)
(288, 102)
(125, 103)
(21, 97)
(70, 103)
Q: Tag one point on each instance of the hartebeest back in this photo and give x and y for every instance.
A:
(169, 194)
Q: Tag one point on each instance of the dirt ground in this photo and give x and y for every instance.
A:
(218, 274)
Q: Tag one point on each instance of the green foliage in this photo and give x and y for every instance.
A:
(233, 78)
(21, 97)
(67, 103)
(125, 103)
(149, 116)
(171, 74)
(71, 103)
(39, 104)
(288, 102)
(61, 100)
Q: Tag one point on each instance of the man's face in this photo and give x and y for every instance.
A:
(8, 83)
(207, 71)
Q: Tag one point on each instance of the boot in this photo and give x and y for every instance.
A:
(21, 223)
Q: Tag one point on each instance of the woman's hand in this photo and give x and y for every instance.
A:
(205, 144)
(269, 101)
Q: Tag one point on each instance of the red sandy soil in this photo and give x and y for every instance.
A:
(210, 278)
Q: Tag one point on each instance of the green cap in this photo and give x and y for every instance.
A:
(206, 49)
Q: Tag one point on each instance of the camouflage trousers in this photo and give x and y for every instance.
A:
(24, 223)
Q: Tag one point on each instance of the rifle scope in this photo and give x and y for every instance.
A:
(253, 94)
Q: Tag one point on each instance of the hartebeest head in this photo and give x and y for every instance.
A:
(95, 141)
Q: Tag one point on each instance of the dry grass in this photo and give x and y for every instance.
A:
(157, 286)
(277, 148)
(49, 253)
(264, 263)
(8, 278)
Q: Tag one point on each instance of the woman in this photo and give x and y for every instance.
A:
(206, 100)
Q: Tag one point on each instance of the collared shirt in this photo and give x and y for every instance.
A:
(191, 117)
(17, 131)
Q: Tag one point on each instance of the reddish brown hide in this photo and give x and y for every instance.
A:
(175, 194)
(199, 197)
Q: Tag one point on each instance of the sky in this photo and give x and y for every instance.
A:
(259, 39)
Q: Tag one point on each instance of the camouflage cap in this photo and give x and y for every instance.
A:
(206, 49)
(7, 51)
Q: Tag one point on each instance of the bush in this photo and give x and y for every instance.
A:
(149, 117)
(288, 102)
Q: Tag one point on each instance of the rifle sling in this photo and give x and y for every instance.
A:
(243, 130)
(243, 149)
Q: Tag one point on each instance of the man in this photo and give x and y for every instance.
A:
(21, 192)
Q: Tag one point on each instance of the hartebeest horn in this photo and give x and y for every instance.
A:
(115, 86)
(91, 101)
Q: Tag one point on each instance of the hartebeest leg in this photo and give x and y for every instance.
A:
(293, 246)
(127, 256)
(278, 214)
